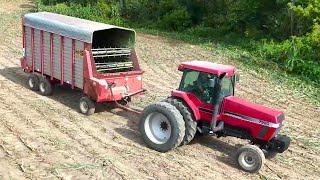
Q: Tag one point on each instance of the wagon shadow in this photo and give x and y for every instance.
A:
(62, 94)
(68, 97)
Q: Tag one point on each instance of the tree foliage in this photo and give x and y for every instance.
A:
(285, 31)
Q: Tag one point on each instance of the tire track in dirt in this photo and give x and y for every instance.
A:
(41, 142)
(67, 130)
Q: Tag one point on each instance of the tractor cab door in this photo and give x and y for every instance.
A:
(196, 83)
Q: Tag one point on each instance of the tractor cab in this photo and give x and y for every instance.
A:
(200, 78)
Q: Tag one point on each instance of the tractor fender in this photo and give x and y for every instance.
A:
(185, 97)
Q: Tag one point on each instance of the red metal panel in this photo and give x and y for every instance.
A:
(23, 34)
(51, 56)
(32, 48)
(41, 52)
(73, 64)
(189, 101)
(23, 59)
(208, 67)
(62, 59)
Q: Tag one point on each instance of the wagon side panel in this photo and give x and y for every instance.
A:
(57, 56)
(37, 50)
(28, 49)
(78, 74)
(67, 63)
(46, 53)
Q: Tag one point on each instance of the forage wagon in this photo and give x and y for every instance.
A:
(99, 59)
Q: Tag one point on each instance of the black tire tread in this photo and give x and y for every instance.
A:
(48, 86)
(188, 117)
(91, 105)
(36, 82)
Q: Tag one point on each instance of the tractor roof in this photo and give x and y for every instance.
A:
(208, 67)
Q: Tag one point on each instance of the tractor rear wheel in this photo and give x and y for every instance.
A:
(45, 87)
(189, 120)
(162, 126)
(250, 158)
(33, 82)
(87, 106)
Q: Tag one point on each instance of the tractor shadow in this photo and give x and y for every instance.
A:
(228, 150)
(132, 131)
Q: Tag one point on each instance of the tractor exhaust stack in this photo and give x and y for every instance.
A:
(215, 102)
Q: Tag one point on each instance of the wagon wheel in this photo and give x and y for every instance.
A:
(33, 82)
(45, 87)
(86, 106)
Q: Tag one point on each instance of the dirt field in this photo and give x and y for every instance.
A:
(46, 138)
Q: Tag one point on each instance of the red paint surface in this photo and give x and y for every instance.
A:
(32, 48)
(51, 57)
(62, 60)
(73, 64)
(208, 67)
(41, 52)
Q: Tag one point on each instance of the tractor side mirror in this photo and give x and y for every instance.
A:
(212, 83)
(237, 77)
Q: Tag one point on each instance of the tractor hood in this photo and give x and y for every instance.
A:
(249, 111)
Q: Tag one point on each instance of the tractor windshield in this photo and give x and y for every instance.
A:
(226, 87)
(197, 83)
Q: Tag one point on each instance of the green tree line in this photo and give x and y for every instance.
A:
(284, 32)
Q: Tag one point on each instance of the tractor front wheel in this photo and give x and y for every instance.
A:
(250, 158)
(162, 126)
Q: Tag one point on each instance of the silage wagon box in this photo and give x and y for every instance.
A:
(96, 58)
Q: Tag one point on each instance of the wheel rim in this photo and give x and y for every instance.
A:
(42, 88)
(31, 84)
(84, 107)
(157, 128)
(248, 161)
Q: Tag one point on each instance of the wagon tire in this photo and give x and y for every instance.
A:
(250, 158)
(162, 126)
(45, 87)
(87, 106)
(33, 82)
(188, 117)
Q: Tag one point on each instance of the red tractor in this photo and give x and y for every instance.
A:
(205, 102)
